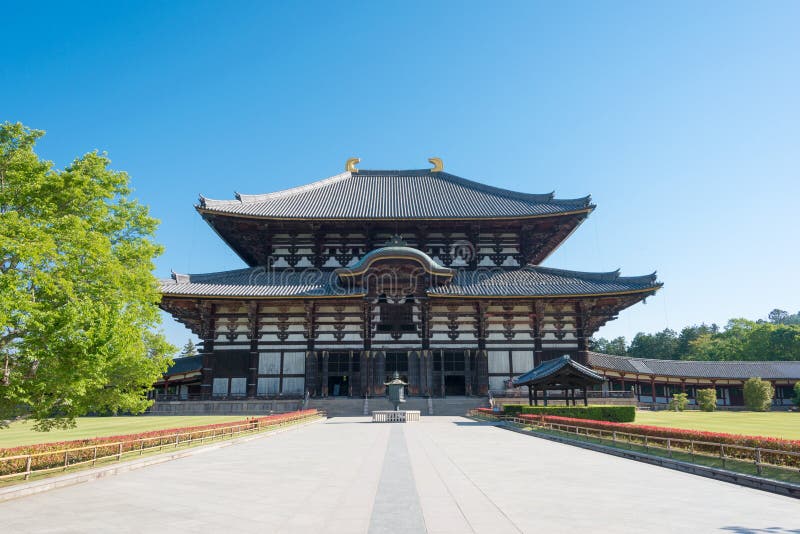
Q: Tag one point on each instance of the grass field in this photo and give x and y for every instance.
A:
(776, 424)
(21, 433)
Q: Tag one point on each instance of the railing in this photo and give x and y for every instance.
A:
(177, 397)
(758, 457)
(390, 416)
(25, 465)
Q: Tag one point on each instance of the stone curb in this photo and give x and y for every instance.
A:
(750, 481)
(39, 486)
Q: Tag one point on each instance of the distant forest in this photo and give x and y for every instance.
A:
(776, 339)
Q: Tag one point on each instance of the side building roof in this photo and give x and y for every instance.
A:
(395, 194)
(694, 369)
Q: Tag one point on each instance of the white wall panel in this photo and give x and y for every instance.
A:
(294, 363)
(522, 361)
(498, 361)
(269, 363)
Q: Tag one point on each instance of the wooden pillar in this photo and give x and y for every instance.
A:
(653, 389)
(253, 328)
(530, 395)
(364, 373)
(350, 373)
(441, 374)
(467, 374)
(538, 310)
(207, 335)
(585, 396)
(429, 372)
(535, 397)
(312, 378)
(379, 370)
(581, 320)
(544, 395)
(638, 390)
(324, 388)
(413, 373)
(572, 394)
(482, 371)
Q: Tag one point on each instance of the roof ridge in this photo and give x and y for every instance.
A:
(691, 361)
(583, 202)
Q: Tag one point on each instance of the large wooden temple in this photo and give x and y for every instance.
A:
(368, 272)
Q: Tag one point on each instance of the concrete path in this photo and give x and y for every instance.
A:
(440, 475)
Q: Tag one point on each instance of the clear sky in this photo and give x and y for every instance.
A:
(682, 120)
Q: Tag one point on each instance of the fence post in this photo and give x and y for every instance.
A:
(669, 448)
(177, 438)
(119, 452)
(614, 437)
(645, 444)
(141, 447)
(758, 461)
(722, 454)
(28, 468)
(94, 456)
(691, 449)
(66, 459)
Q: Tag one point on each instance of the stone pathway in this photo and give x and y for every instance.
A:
(444, 474)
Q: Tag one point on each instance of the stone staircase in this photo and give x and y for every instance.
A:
(354, 407)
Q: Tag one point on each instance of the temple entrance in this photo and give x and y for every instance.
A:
(338, 386)
(455, 385)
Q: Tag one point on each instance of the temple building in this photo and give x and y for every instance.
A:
(368, 272)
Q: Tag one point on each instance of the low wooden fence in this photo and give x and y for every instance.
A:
(759, 457)
(25, 465)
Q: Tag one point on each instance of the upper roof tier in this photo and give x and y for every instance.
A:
(410, 194)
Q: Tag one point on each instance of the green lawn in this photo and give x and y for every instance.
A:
(777, 424)
(22, 433)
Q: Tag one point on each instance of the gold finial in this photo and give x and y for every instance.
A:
(438, 166)
(350, 165)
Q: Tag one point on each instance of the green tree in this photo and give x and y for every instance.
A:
(661, 345)
(797, 393)
(77, 294)
(758, 394)
(189, 349)
(679, 402)
(609, 346)
(707, 399)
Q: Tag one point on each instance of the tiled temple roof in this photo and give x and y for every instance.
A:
(535, 281)
(694, 369)
(525, 281)
(185, 365)
(549, 368)
(412, 194)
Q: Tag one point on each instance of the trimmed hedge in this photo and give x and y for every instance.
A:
(616, 414)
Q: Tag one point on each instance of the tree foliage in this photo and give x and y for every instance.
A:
(707, 399)
(189, 349)
(740, 340)
(758, 394)
(77, 294)
(679, 402)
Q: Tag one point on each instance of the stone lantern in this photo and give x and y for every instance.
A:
(396, 391)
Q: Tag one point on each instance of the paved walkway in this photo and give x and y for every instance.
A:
(440, 475)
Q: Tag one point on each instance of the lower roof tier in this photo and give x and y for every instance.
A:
(530, 281)
(645, 367)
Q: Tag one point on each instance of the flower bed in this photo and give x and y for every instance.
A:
(51, 455)
(703, 442)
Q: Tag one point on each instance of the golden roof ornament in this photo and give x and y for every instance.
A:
(438, 166)
(350, 165)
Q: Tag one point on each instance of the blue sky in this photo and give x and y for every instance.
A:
(681, 119)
